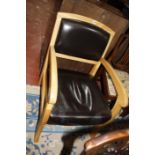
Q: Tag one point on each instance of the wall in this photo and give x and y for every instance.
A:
(40, 17)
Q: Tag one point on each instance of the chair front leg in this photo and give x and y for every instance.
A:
(42, 121)
(39, 129)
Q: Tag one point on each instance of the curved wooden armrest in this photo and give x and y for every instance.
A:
(53, 77)
(122, 97)
(106, 138)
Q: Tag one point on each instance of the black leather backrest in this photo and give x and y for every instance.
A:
(81, 39)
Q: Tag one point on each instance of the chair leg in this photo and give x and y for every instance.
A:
(38, 132)
(42, 121)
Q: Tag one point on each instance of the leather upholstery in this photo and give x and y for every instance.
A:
(81, 39)
(79, 101)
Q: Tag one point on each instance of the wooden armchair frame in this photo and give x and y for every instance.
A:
(49, 93)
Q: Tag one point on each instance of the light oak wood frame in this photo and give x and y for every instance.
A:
(48, 97)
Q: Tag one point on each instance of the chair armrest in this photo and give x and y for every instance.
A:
(106, 138)
(53, 77)
(122, 97)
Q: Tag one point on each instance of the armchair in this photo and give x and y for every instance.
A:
(73, 98)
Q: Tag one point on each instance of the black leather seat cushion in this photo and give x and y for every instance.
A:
(79, 102)
(81, 39)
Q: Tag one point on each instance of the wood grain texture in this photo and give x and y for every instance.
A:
(103, 4)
